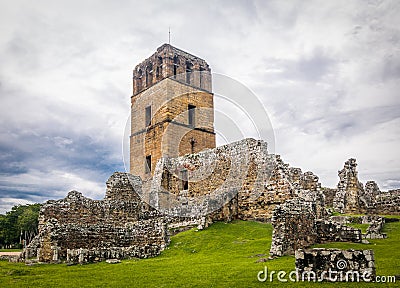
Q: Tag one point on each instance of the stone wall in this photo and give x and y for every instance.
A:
(298, 224)
(169, 133)
(386, 203)
(334, 265)
(351, 197)
(121, 223)
(375, 228)
(330, 194)
(349, 189)
(169, 61)
(240, 180)
(294, 227)
(165, 87)
(330, 231)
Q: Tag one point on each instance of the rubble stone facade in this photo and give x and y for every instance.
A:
(241, 177)
(80, 229)
(347, 198)
(351, 197)
(298, 224)
(335, 265)
(235, 174)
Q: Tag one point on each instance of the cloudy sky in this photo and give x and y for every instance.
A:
(327, 73)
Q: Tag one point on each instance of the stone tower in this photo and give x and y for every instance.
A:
(171, 109)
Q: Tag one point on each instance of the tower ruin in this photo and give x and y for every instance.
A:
(171, 109)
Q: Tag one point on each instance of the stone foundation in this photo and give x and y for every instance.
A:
(334, 265)
(297, 225)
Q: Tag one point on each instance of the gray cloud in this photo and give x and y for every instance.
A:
(327, 73)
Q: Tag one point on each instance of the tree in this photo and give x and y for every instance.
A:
(2, 230)
(28, 222)
(19, 223)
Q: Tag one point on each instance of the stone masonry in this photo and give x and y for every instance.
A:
(241, 177)
(349, 189)
(351, 197)
(297, 224)
(182, 180)
(82, 230)
(172, 109)
(250, 184)
(335, 265)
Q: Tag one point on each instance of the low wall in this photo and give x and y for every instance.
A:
(297, 225)
(335, 265)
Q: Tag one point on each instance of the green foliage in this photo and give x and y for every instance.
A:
(19, 223)
(224, 255)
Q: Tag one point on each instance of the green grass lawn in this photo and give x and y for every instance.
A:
(10, 250)
(224, 255)
(362, 227)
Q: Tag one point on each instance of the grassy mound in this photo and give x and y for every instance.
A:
(224, 255)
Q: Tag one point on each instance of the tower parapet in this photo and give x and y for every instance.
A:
(171, 62)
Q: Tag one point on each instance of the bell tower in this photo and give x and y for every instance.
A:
(172, 110)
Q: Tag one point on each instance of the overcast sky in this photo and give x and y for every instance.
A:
(327, 73)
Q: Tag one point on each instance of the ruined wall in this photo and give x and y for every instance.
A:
(300, 222)
(330, 231)
(329, 196)
(235, 181)
(347, 198)
(370, 194)
(375, 228)
(335, 265)
(386, 203)
(294, 227)
(351, 197)
(120, 222)
(239, 180)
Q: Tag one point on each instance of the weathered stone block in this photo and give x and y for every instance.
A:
(335, 265)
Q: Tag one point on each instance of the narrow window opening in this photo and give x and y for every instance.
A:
(191, 115)
(148, 116)
(192, 142)
(175, 65)
(188, 72)
(148, 164)
(184, 179)
(200, 78)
